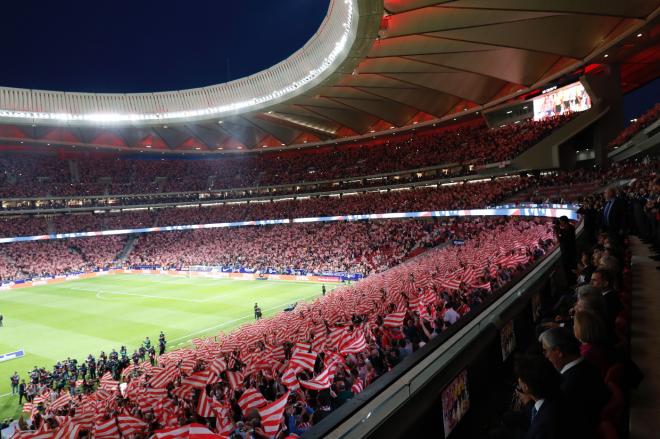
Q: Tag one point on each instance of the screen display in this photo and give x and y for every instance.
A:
(455, 402)
(507, 340)
(570, 98)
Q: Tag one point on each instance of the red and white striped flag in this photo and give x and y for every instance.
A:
(68, 430)
(190, 431)
(205, 406)
(290, 380)
(183, 391)
(251, 398)
(322, 380)
(394, 320)
(218, 365)
(353, 343)
(106, 429)
(129, 425)
(271, 415)
(357, 386)
(305, 360)
(61, 402)
(235, 379)
(198, 380)
(164, 377)
(108, 383)
(31, 434)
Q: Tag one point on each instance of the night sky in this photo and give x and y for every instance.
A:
(148, 45)
(156, 45)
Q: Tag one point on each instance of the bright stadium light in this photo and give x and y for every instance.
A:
(304, 77)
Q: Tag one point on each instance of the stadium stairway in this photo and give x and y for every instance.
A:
(645, 338)
(128, 248)
(73, 170)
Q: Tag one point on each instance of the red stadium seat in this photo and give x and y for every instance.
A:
(613, 411)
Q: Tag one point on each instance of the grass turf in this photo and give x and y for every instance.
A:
(76, 318)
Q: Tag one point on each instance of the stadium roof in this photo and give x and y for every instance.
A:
(372, 67)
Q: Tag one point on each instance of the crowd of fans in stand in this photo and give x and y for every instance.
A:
(636, 126)
(26, 176)
(566, 186)
(24, 260)
(462, 196)
(309, 361)
(357, 247)
(572, 384)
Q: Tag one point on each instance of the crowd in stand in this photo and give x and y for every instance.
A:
(462, 196)
(357, 247)
(636, 126)
(280, 376)
(24, 260)
(566, 186)
(572, 384)
(26, 176)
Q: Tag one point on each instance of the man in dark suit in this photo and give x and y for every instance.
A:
(538, 383)
(581, 384)
(614, 214)
(604, 280)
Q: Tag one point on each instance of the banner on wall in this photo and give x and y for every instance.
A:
(528, 210)
(12, 355)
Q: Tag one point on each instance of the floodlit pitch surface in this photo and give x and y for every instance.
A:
(76, 318)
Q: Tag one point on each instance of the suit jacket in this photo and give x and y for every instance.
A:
(585, 393)
(551, 422)
(615, 220)
(612, 306)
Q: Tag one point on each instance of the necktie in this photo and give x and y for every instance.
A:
(606, 213)
(534, 413)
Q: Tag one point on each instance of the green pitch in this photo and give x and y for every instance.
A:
(76, 318)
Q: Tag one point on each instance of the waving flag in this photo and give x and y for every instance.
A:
(235, 379)
(290, 380)
(106, 429)
(394, 320)
(190, 431)
(305, 360)
(353, 343)
(322, 380)
(130, 425)
(251, 398)
(205, 406)
(272, 414)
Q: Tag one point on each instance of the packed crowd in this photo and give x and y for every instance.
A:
(356, 247)
(568, 186)
(280, 376)
(24, 260)
(636, 126)
(573, 383)
(25, 176)
(461, 196)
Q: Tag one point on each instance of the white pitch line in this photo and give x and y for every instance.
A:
(146, 296)
(238, 320)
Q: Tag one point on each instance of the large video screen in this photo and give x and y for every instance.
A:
(570, 98)
(455, 402)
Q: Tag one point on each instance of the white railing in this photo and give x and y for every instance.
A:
(312, 63)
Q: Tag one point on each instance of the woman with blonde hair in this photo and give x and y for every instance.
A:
(591, 331)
